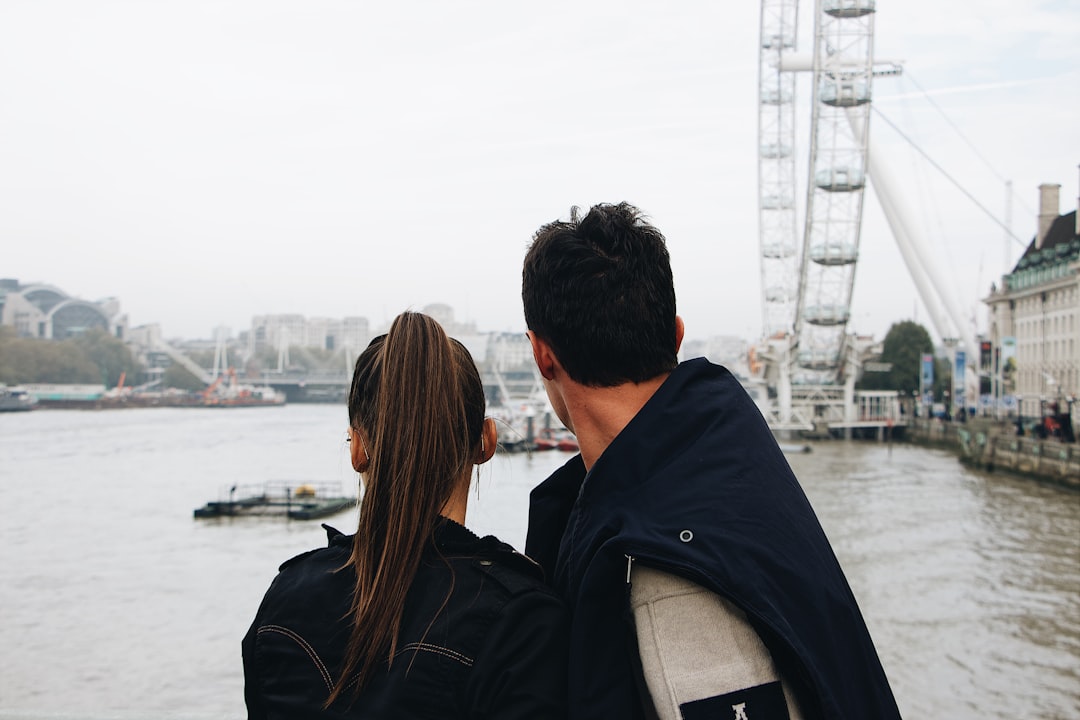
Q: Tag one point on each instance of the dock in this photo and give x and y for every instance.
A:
(293, 500)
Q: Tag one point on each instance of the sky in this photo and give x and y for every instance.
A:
(205, 162)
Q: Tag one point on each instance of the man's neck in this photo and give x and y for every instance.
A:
(598, 415)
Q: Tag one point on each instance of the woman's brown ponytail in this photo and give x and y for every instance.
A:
(417, 396)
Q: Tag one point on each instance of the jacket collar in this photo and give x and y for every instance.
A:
(643, 430)
(449, 538)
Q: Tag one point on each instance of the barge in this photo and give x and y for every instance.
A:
(294, 500)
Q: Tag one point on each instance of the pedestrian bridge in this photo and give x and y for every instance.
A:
(316, 386)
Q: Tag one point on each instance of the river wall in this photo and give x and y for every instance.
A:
(994, 445)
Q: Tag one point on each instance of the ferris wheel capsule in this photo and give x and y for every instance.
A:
(848, 8)
(839, 179)
(844, 92)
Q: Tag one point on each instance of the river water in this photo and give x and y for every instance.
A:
(116, 603)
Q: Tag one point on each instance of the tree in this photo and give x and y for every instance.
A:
(111, 356)
(903, 348)
(96, 357)
(29, 360)
(178, 376)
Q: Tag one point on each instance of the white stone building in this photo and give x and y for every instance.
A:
(1034, 315)
(46, 312)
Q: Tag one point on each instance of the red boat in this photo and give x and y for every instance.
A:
(549, 439)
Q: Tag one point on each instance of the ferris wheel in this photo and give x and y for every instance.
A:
(807, 280)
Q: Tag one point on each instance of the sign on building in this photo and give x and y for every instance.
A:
(958, 378)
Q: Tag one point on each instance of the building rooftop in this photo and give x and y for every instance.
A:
(1061, 243)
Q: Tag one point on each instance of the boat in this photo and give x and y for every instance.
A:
(225, 391)
(294, 500)
(16, 399)
(568, 444)
(244, 396)
(551, 439)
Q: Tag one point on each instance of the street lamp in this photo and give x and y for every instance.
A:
(1070, 433)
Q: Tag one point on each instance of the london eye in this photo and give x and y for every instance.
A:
(808, 277)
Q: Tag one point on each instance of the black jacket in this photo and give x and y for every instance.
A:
(696, 485)
(495, 648)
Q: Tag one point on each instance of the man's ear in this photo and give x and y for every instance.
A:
(543, 355)
(680, 330)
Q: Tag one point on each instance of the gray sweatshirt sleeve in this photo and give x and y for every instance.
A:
(699, 654)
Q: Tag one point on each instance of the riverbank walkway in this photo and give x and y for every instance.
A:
(992, 445)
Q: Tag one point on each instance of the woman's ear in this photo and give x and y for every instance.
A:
(358, 451)
(489, 438)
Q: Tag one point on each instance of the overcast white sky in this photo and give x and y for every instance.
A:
(205, 162)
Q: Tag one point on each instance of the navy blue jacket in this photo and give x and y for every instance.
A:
(696, 485)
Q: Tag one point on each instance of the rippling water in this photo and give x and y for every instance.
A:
(116, 603)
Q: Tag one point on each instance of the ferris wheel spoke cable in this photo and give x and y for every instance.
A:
(968, 142)
(954, 126)
(947, 176)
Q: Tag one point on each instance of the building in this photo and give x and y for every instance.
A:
(1034, 315)
(280, 332)
(276, 331)
(727, 350)
(355, 334)
(444, 315)
(46, 312)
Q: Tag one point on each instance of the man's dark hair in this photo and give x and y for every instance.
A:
(599, 291)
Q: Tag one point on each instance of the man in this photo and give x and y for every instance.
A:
(700, 581)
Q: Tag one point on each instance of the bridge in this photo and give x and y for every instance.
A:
(500, 387)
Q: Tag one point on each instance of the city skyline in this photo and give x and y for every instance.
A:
(207, 163)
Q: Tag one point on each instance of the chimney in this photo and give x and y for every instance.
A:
(1049, 203)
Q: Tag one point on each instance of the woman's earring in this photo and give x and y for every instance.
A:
(483, 455)
(357, 465)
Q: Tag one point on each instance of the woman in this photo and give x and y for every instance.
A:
(414, 615)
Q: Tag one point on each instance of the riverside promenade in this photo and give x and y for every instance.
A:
(993, 445)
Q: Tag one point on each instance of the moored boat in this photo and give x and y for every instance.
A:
(551, 439)
(296, 501)
(226, 391)
(15, 399)
(244, 396)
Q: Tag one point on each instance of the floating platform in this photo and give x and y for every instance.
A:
(296, 501)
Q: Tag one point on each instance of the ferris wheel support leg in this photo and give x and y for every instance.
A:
(783, 387)
(929, 297)
(850, 410)
(932, 287)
